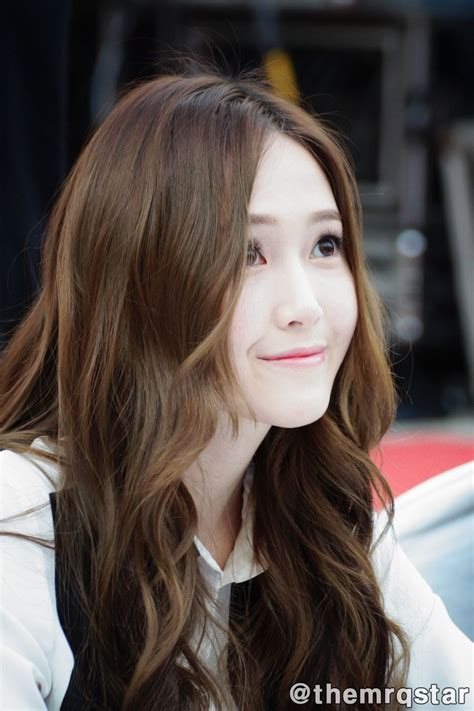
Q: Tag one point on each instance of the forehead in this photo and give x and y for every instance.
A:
(289, 181)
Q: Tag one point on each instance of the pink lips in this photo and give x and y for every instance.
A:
(296, 353)
(301, 357)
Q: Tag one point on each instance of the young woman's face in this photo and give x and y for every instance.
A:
(299, 291)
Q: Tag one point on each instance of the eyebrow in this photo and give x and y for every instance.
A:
(314, 217)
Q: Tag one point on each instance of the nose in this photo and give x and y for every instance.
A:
(297, 300)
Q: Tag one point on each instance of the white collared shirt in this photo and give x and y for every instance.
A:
(36, 658)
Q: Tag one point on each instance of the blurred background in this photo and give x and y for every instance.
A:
(395, 78)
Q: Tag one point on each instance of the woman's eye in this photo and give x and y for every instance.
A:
(253, 248)
(328, 245)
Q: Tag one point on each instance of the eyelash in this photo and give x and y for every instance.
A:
(255, 245)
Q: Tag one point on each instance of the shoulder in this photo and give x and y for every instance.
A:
(26, 480)
(25, 511)
(406, 595)
(432, 521)
(27, 566)
(35, 655)
(440, 652)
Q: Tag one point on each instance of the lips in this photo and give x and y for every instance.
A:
(296, 353)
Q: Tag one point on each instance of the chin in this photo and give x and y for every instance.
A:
(298, 418)
(295, 422)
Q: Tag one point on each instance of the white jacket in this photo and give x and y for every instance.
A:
(37, 661)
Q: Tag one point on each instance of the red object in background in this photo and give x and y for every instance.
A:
(406, 460)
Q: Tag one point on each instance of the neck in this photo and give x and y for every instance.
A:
(215, 482)
(219, 526)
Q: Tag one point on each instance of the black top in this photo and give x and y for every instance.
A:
(73, 623)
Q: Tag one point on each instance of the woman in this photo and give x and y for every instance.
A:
(210, 503)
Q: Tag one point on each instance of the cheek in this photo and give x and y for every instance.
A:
(341, 310)
(244, 327)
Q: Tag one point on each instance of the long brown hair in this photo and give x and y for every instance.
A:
(122, 363)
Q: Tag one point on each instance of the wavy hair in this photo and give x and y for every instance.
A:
(122, 363)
